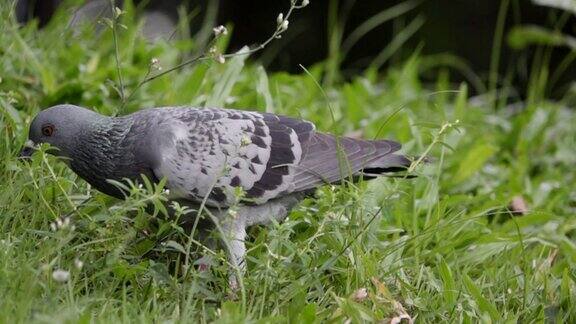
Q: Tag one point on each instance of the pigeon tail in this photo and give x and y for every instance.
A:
(388, 163)
(330, 159)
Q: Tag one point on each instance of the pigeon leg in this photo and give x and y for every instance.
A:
(234, 227)
(234, 233)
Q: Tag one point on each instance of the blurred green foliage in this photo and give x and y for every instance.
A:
(442, 247)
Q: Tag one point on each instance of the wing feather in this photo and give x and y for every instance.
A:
(212, 151)
(209, 152)
(329, 159)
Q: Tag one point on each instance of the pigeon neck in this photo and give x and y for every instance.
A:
(101, 153)
(111, 131)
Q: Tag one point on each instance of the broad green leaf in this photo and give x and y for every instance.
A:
(307, 314)
(229, 77)
(176, 246)
(11, 112)
(474, 161)
(483, 303)
(448, 280)
(264, 90)
(522, 36)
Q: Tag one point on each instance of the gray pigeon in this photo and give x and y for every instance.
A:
(206, 154)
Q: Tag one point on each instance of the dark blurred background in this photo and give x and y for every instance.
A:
(462, 29)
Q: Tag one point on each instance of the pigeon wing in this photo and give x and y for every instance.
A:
(210, 152)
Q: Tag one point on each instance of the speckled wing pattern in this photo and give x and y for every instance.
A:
(212, 151)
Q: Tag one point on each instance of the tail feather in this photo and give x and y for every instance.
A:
(388, 163)
(328, 159)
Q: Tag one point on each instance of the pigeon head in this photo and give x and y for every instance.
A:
(98, 148)
(60, 126)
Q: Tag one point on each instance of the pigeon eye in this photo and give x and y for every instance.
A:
(47, 130)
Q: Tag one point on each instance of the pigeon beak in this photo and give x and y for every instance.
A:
(27, 150)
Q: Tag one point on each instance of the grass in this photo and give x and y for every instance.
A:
(441, 247)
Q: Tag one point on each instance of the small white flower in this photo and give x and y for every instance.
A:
(220, 59)
(59, 223)
(155, 64)
(53, 227)
(284, 25)
(305, 3)
(117, 12)
(280, 18)
(230, 100)
(220, 30)
(66, 222)
(60, 275)
(78, 264)
(140, 186)
(166, 191)
(245, 141)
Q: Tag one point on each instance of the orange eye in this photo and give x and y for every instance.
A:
(47, 130)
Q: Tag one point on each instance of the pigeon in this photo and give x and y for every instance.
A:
(207, 154)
